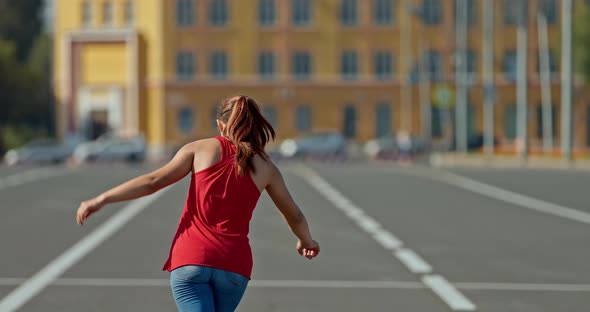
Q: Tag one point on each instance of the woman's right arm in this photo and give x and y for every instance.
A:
(278, 192)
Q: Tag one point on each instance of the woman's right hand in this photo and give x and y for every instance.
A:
(309, 250)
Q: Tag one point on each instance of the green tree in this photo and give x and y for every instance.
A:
(21, 22)
(582, 41)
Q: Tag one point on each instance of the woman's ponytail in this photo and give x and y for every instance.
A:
(247, 129)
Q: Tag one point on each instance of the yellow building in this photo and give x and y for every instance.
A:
(160, 67)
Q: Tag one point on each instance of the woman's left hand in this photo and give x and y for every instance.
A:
(87, 208)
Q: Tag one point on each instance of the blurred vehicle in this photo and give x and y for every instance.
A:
(327, 144)
(111, 148)
(389, 147)
(40, 151)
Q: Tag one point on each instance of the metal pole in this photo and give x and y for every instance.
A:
(406, 51)
(425, 94)
(545, 72)
(460, 77)
(488, 63)
(566, 80)
(522, 82)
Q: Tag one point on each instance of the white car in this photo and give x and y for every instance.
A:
(111, 149)
(41, 151)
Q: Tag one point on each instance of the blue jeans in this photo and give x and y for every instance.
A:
(204, 289)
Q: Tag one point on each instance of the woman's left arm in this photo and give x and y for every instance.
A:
(176, 169)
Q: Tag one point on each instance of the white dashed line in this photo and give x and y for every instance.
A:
(448, 293)
(387, 240)
(438, 284)
(154, 282)
(30, 176)
(47, 275)
(413, 261)
(501, 194)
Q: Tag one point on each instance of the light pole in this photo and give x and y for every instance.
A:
(460, 77)
(522, 81)
(488, 64)
(566, 80)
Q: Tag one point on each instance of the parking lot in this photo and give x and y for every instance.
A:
(393, 239)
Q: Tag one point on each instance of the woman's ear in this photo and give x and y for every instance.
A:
(220, 126)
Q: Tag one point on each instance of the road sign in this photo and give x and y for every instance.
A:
(443, 96)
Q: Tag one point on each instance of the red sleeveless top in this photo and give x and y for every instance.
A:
(213, 229)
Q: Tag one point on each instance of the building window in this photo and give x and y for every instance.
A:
(303, 118)
(349, 130)
(434, 61)
(349, 65)
(218, 12)
(510, 65)
(107, 13)
(185, 66)
(186, 120)
(218, 65)
(266, 65)
(86, 13)
(270, 114)
(540, 121)
(383, 118)
(383, 62)
(549, 9)
(348, 12)
(431, 12)
(511, 11)
(301, 65)
(301, 12)
(185, 13)
(129, 12)
(383, 12)
(266, 12)
(510, 121)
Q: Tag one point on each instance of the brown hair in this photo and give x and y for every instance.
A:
(247, 129)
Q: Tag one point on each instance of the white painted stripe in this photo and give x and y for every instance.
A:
(147, 282)
(387, 240)
(336, 284)
(32, 175)
(70, 257)
(512, 197)
(448, 293)
(368, 224)
(413, 261)
(525, 287)
(155, 282)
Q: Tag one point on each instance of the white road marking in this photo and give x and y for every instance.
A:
(387, 240)
(413, 261)
(47, 275)
(525, 287)
(32, 175)
(440, 286)
(511, 197)
(448, 293)
(155, 282)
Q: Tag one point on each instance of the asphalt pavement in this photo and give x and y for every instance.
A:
(393, 239)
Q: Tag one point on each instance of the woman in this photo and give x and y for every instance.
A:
(210, 259)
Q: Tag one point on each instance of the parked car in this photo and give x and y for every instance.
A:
(326, 144)
(111, 148)
(388, 147)
(40, 151)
